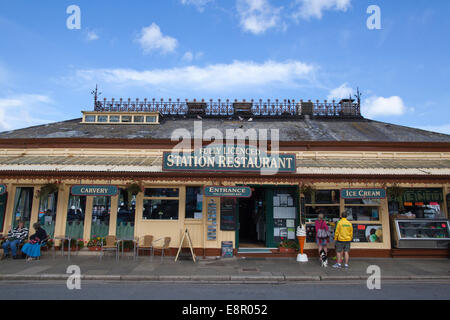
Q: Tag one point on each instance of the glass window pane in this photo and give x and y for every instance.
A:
(323, 197)
(75, 217)
(150, 119)
(330, 213)
(89, 118)
(194, 202)
(161, 192)
(102, 118)
(160, 209)
(363, 213)
(114, 118)
(47, 213)
(126, 118)
(125, 215)
(3, 199)
(138, 118)
(22, 206)
(101, 209)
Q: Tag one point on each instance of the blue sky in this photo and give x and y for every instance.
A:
(236, 49)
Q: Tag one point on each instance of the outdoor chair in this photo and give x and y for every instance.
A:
(111, 244)
(164, 247)
(147, 245)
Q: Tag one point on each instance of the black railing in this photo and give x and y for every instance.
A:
(260, 108)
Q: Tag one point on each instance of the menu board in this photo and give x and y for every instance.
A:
(227, 249)
(212, 221)
(367, 233)
(228, 214)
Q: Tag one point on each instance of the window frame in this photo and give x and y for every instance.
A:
(144, 198)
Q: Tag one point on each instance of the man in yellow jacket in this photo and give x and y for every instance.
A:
(343, 237)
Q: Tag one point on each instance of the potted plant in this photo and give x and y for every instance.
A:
(95, 244)
(288, 246)
(48, 189)
(134, 189)
(128, 245)
(75, 245)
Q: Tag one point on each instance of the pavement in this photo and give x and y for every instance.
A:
(230, 270)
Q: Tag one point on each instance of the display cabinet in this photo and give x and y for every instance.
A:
(422, 233)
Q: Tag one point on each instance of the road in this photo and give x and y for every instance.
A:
(193, 291)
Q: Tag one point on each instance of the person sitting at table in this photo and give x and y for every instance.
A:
(33, 248)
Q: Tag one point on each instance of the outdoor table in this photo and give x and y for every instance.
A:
(63, 238)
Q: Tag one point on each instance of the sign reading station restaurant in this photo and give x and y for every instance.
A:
(229, 158)
(94, 190)
(233, 192)
(2, 189)
(363, 193)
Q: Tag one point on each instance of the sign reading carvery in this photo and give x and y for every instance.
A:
(94, 190)
(363, 193)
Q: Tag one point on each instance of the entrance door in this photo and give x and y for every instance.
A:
(252, 221)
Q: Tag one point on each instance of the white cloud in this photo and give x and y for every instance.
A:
(315, 8)
(342, 92)
(152, 39)
(200, 4)
(212, 78)
(382, 107)
(92, 35)
(257, 16)
(188, 56)
(23, 111)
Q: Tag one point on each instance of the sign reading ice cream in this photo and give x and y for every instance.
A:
(363, 193)
(94, 190)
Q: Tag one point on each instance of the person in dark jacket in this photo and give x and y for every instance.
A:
(33, 248)
(15, 237)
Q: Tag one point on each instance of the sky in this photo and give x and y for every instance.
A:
(52, 56)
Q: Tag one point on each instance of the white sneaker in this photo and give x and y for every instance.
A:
(337, 266)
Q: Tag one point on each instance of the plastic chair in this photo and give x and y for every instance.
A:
(163, 248)
(147, 245)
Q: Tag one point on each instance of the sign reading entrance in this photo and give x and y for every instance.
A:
(224, 192)
(2, 189)
(363, 193)
(229, 158)
(94, 190)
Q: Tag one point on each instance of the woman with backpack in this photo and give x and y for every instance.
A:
(322, 234)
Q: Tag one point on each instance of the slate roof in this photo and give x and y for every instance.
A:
(325, 130)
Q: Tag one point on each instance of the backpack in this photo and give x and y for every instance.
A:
(322, 233)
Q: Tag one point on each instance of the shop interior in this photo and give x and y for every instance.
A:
(252, 220)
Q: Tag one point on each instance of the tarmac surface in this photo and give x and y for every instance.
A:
(211, 270)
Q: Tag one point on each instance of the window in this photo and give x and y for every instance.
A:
(125, 215)
(326, 202)
(139, 119)
(75, 217)
(22, 206)
(89, 118)
(126, 118)
(101, 209)
(114, 118)
(194, 202)
(362, 209)
(150, 119)
(47, 213)
(161, 204)
(102, 119)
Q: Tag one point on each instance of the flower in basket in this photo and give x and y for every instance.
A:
(289, 244)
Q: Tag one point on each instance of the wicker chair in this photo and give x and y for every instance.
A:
(147, 245)
(112, 244)
(164, 247)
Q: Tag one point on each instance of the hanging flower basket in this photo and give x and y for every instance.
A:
(47, 190)
(306, 189)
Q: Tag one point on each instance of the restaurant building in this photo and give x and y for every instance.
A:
(132, 168)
